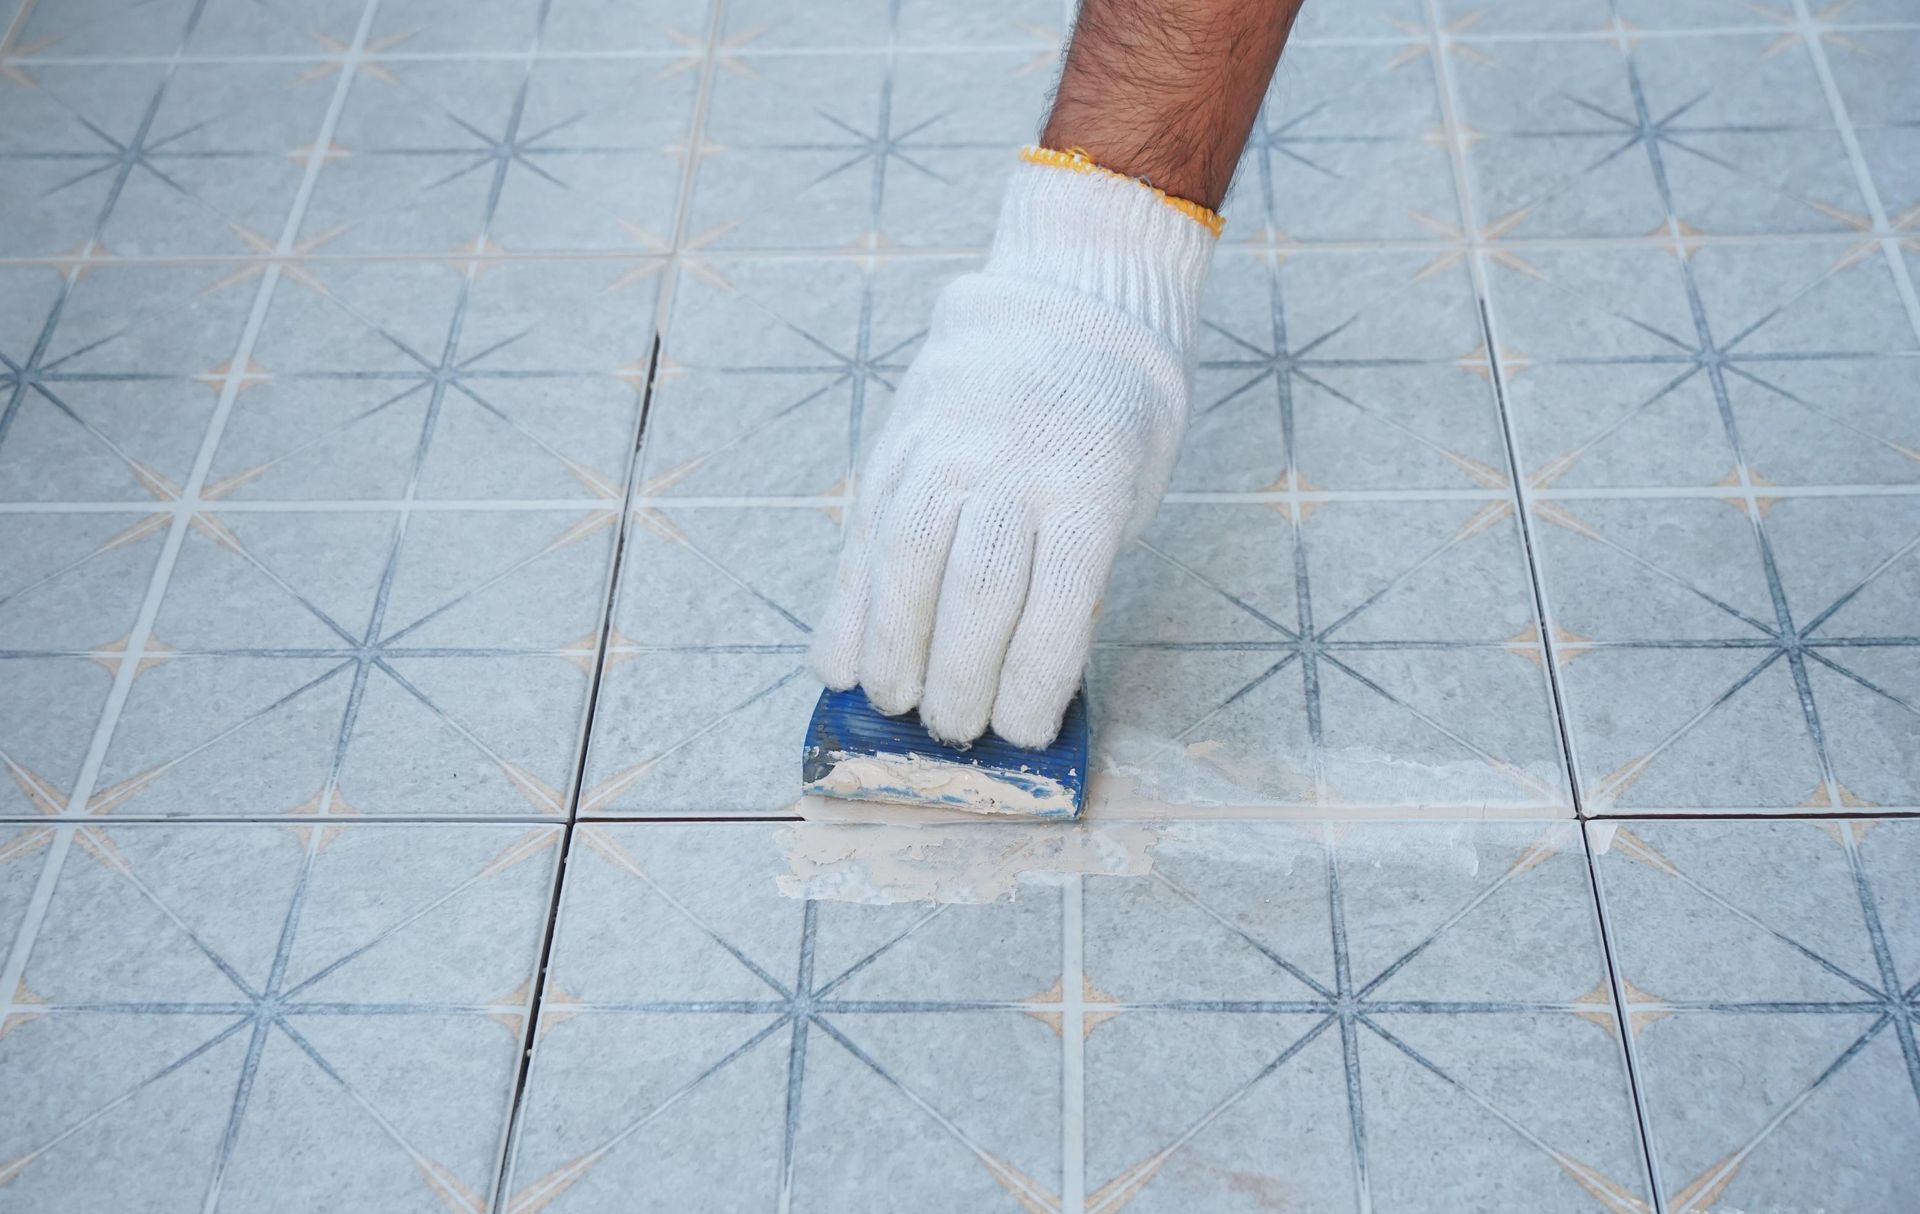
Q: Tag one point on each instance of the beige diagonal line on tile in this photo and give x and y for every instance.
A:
(1549, 843)
(1046, 1006)
(1606, 794)
(599, 840)
(1117, 1193)
(95, 841)
(841, 490)
(609, 790)
(311, 807)
(639, 271)
(327, 155)
(510, 1009)
(1681, 240)
(112, 797)
(249, 376)
(25, 843)
(1589, 1178)
(39, 790)
(1761, 505)
(1512, 772)
(1293, 485)
(1614, 1197)
(1634, 848)
(1567, 645)
(24, 1001)
(527, 846)
(558, 1007)
(598, 520)
(1596, 1007)
(1700, 1195)
(547, 1189)
(367, 66)
(1642, 1008)
(453, 1193)
(606, 792)
(545, 797)
(443, 1182)
(1053, 997)
(1028, 1192)
(1031, 1195)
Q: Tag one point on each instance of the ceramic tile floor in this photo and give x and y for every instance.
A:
(425, 429)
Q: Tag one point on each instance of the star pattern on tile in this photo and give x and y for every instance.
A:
(282, 1009)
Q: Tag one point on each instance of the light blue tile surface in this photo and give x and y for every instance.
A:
(1276, 1011)
(1768, 972)
(227, 1015)
(327, 331)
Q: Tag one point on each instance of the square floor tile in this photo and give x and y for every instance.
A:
(1768, 970)
(853, 150)
(520, 379)
(1479, 1067)
(1555, 148)
(216, 166)
(1744, 136)
(74, 582)
(599, 164)
(705, 1039)
(115, 380)
(1637, 368)
(49, 708)
(366, 662)
(705, 678)
(774, 375)
(237, 1017)
(60, 149)
(1668, 619)
(1350, 146)
(1370, 654)
(1341, 371)
(976, 1047)
(443, 155)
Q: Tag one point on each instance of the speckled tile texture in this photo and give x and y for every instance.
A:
(425, 434)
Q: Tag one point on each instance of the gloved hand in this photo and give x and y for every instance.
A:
(1033, 436)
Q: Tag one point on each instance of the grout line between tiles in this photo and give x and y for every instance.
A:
(1446, 92)
(1281, 813)
(1849, 138)
(503, 1170)
(1603, 34)
(95, 757)
(191, 506)
(1536, 583)
(662, 305)
(1623, 1019)
(1073, 1047)
(1230, 247)
(1448, 96)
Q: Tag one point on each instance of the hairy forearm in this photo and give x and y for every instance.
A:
(1167, 90)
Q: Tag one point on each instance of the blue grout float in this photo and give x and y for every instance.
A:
(856, 752)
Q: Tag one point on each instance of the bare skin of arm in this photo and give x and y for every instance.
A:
(1167, 90)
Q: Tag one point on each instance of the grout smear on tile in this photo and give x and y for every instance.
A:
(861, 851)
(1142, 776)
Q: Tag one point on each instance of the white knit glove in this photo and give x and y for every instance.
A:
(1033, 436)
